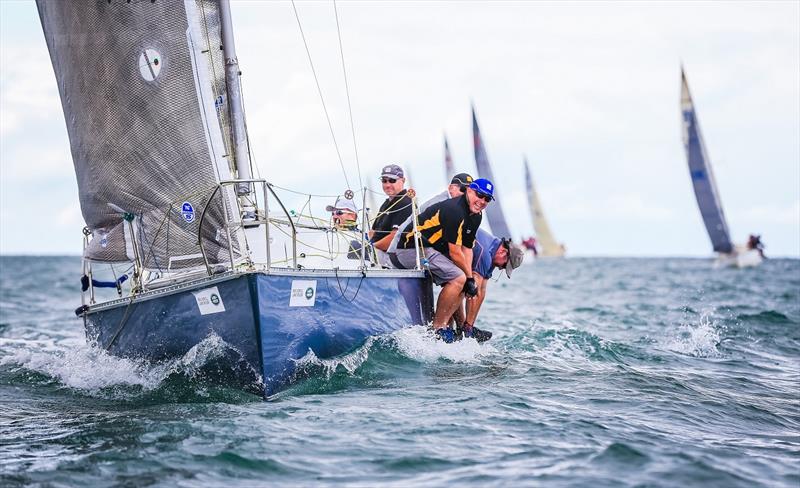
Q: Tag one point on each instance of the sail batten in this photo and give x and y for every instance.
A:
(145, 114)
(703, 181)
(494, 212)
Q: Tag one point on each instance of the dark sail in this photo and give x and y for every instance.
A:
(705, 187)
(494, 212)
(449, 168)
(142, 88)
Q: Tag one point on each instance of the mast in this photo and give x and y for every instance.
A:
(240, 158)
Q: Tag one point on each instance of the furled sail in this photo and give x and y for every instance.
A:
(548, 247)
(494, 212)
(449, 168)
(142, 86)
(705, 188)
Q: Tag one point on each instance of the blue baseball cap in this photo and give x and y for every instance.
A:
(482, 185)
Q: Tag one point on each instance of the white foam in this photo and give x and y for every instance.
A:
(698, 340)
(350, 362)
(419, 343)
(92, 369)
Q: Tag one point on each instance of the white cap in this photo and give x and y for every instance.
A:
(342, 203)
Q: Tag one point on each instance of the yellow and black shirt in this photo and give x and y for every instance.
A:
(447, 222)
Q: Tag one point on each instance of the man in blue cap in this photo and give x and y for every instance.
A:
(488, 254)
(447, 231)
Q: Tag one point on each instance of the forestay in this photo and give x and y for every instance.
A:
(142, 85)
(705, 187)
(494, 212)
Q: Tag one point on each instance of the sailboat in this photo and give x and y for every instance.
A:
(449, 167)
(151, 99)
(546, 243)
(705, 190)
(494, 212)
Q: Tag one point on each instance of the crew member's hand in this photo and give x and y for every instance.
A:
(470, 287)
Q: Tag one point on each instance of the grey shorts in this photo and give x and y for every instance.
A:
(442, 269)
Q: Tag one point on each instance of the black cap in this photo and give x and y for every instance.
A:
(461, 179)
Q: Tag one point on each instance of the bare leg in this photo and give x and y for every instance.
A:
(449, 300)
(459, 316)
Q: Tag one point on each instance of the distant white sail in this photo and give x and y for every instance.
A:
(547, 245)
(705, 187)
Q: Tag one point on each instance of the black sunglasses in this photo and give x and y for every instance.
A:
(486, 198)
(388, 180)
(341, 212)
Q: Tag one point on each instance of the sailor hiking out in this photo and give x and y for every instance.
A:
(447, 231)
(488, 254)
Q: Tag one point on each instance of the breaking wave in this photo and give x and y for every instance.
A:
(700, 340)
(92, 371)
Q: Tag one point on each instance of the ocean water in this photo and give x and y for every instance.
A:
(602, 372)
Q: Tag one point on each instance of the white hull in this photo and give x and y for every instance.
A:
(740, 258)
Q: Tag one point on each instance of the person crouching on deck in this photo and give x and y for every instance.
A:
(489, 252)
(447, 230)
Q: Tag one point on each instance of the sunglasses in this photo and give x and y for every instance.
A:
(486, 198)
(341, 212)
(388, 180)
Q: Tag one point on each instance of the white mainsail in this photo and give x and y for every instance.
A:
(548, 247)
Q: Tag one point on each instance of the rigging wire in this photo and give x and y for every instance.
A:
(319, 90)
(347, 90)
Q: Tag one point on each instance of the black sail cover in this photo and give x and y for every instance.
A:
(143, 92)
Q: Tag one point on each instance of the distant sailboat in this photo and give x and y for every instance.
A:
(449, 167)
(494, 212)
(705, 190)
(546, 243)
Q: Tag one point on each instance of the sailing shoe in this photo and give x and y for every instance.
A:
(445, 334)
(478, 334)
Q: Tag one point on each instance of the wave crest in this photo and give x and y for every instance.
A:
(93, 371)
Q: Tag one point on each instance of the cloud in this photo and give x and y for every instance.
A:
(28, 93)
(589, 92)
(775, 214)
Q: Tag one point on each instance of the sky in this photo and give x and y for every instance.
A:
(587, 91)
